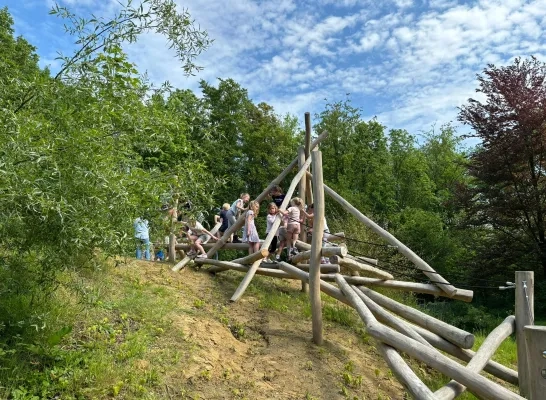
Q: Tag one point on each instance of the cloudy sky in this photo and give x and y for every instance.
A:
(408, 62)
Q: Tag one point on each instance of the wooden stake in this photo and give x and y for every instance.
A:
(316, 248)
(302, 190)
(525, 281)
(536, 361)
(172, 247)
(308, 148)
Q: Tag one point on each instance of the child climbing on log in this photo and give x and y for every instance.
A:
(282, 238)
(198, 235)
(250, 234)
(309, 215)
(293, 226)
(272, 211)
(236, 207)
(223, 218)
(277, 195)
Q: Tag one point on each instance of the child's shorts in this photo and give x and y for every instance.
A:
(204, 238)
(293, 227)
(282, 234)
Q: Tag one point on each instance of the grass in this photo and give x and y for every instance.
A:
(116, 341)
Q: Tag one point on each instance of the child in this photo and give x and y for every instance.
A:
(236, 207)
(198, 236)
(309, 215)
(142, 237)
(282, 238)
(272, 211)
(277, 195)
(222, 217)
(250, 234)
(293, 226)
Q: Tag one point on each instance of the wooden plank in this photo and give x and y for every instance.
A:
(265, 245)
(480, 359)
(536, 360)
(453, 334)
(524, 316)
(302, 156)
(402, 249)
(361, 267)
(462, 294)
(316, 248)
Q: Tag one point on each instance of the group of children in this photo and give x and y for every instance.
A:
(286, 235)
(288, 232)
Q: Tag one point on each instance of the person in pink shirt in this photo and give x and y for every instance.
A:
(293, 226)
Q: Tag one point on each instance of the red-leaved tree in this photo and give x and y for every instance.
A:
(508, 193)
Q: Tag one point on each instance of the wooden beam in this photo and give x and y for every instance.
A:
(327, 251)
(302, 156)
(251, 258)
(324, 268)
(220, 266)
(524, 316)
(462, 294)
(403, 249)
(307, 151)
(455, 335)
(316, 248)
(172, 247)
(536, 360)
(208, 246)
(480, 359)
(361, 267)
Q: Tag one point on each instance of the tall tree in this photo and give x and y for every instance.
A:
(508, 193)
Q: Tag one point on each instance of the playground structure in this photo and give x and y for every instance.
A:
(395, 327)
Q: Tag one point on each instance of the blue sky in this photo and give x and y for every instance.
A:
(411, 63)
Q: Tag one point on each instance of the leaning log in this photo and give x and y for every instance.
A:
(327, 251)
(462, 294)
(251, 258)
(480, 359)
(208, 246)
(220, 266)
(455, 335)
(360, 267)
(324, 268)
(403, 249)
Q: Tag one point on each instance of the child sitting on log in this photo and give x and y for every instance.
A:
(250, 234)
(198, 236)
(294, 221)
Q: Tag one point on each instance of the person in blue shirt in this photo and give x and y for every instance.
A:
(142, 237)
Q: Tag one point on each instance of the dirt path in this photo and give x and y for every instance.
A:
(246, 350)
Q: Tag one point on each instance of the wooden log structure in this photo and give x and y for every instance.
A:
(208, 246)
(535, 337)
(480, 359)
(462, 294)
(524, 316)
(455, 335)
(220, 266)
(251, 258)
(403, 249)
(360, 267)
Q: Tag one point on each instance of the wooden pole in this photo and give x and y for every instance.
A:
(265, 245)
(536, 361)
(403, 249)
(480, 359)
(324, 252)
(455, 335)
(308, 148)
(208, 246)
(524, 316)
(302, 190)
(324, 268)
(316, 248)
(462, 294)
(220, 266)
(172, 247)
(361, 267)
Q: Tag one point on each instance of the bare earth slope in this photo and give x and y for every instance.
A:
(259, 347)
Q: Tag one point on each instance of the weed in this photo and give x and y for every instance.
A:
(198, 303)
(308, 366)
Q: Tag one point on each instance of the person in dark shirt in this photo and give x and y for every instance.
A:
(277, 195)
(222, 217)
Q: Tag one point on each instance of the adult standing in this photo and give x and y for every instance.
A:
(142, 237)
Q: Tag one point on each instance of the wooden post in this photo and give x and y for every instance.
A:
(309, 192)
(536, 361)
(172, 247)
(303, 190)
(316, 247)
(524, 316)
